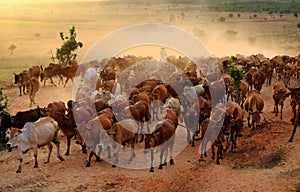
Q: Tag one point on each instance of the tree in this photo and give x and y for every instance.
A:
(237, 76)
(230, 15)
(12, 47)
(222, 19)
(67, 50)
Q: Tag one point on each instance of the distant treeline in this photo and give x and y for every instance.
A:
(268, 6)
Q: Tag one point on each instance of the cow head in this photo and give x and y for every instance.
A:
(13, 135)
(150, 140)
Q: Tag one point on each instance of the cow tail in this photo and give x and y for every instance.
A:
(148, 114)
(252, 105)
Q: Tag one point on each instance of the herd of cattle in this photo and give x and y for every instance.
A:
(168, 94)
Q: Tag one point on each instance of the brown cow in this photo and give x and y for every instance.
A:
(49, 72)
(163, 136)
(295, 104)
(34, 86)
(21, 80)
(288, 71)
(279, 94)
(34, 72)
(140, 112)
(254, 105)
(236, 123)
(69, 72)
(108, 85)
(122, 132)
(159, 93)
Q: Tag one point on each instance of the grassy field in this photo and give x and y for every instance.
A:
(34, 28)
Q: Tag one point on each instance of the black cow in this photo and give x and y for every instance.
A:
(19, 120)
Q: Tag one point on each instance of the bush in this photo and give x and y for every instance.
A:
(222, 19)
(298, 25)
(297, 187)
(230, 15)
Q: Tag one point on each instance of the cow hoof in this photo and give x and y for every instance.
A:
(290, 140)
(83, 150)
(221, 157)
(218, 163)
(151, 169)
(113, 166)
(46, 162)
(160, 167)
(61, 158)
(67, 154)
(36, 166)
(18, 171)
(171, 162)
(193, 144)
(88, 164)
(164, 164)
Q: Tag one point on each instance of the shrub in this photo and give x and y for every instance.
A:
(222, 19)
(230, 15)
(298, 25)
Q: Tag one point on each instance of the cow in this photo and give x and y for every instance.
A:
(159, 93)
(268, 69)
(140, 112)
(279, 94)
(34, 72)
(254, 105)
(122, 132)
(34, 86)
(236, 122)
(32, 136)
(295, 104)
(191, 122)
(55, 109)
(21, 80)
(288, 71)
(108, 85)
(69, 72)
(163, 136)
(215, 136)
(258, 79)
(49, 72)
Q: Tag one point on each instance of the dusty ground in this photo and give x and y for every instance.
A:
(246, 170)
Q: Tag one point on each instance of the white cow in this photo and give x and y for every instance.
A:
(32, 136)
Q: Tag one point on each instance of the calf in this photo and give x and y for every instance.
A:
(254, 105)
(279, 94)
(32, 136)
(122, 132)
(163, 136)
(21, 80)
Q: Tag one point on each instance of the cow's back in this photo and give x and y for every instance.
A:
(42, 131)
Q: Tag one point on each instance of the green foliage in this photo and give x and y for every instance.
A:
(236, 74)
(70, 44)
(297, 187)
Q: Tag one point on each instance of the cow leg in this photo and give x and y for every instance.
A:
(213, 151)
(281, 109)
(66, 81)
(161, 157)
(20, 88)
(88, 163)
(116, 156)
(248, 119)
(51, 80)
(166, 156)
(294, 131)
(151, 160)
(57, 149)
(68, 145)
(35, 158)
(49, 152)
(188, 135)
(20, 164)
(171, 154)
